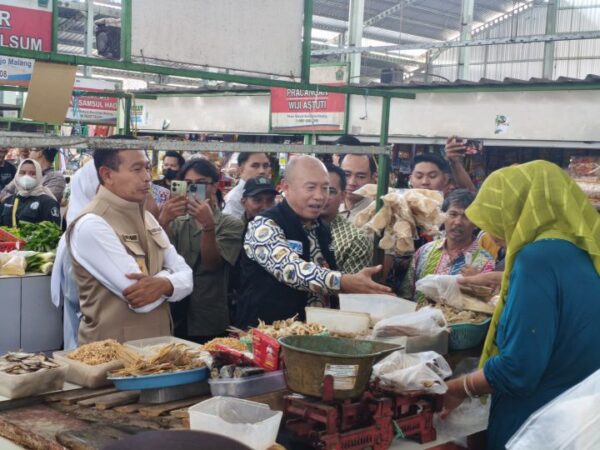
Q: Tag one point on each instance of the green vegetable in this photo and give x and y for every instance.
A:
(40, 262)
(40, 237)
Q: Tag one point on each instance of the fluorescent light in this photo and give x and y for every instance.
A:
(108, 5)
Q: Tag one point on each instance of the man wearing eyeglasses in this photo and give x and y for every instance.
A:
(352, 248)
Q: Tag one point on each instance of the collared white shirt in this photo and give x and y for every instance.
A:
(96, 246)
(233, 201)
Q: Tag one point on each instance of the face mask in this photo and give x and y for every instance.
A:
(26, 182)
(170, 174)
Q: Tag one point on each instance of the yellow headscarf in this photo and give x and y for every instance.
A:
(526, 203)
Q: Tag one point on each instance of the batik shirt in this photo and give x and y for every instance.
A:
(266, 244)
(433, 259)
(352, 248)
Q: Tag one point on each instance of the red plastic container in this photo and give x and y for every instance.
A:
(266, 351)
(8, 242)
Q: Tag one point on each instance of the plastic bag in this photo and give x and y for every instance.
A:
(424, 322)
(569, 422)
(441, 289)
(13, 264)
(417, 372)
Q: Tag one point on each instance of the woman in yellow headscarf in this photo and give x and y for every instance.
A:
(544, 334)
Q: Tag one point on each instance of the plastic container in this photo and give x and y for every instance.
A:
(467, 335)
(378, 306)
(336, 321)
(29, 384)
(253, 424)
(149, 346)
(249, 386)
(86, 375)
(309, 359)
(161, 380)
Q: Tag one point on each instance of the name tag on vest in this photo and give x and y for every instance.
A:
(296, 246)
(131, 238)
(154, 231)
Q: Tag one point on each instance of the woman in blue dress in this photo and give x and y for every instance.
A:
(544, 334)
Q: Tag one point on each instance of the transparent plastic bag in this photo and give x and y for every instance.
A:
(424, 322)
(13, 264)
(416, 372)
(441, 289)
(569, 422)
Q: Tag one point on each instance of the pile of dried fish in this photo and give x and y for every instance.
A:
(290, 327)
(18, 363)
(171, 358)
(96, 353)
(233, 343)
(400, 215)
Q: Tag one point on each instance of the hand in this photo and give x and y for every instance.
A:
(467, 271)
(146, 290)
(455, 149)
(453, 398)
(172, 208)
(202, 213)
(362, 283)
(491, 279)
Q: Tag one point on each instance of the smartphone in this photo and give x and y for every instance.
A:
(474, 146)
(178, 188)
(197, 191)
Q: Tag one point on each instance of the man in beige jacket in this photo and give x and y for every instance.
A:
(125, 267)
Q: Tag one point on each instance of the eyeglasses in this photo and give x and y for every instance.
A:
(332, 190)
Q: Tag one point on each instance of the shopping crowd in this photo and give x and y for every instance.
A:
(142, 258)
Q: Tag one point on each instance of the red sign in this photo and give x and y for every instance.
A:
(303, 110)
(100, 110)
(26, 28)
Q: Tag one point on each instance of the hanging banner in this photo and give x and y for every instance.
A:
(15, 71)
(26, 24)
(297, 110)
(98, 110)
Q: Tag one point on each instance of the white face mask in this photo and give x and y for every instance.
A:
(26, 182)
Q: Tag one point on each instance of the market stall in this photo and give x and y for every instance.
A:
(297, 382)
(29, 321)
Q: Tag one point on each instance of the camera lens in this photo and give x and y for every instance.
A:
(193, 188)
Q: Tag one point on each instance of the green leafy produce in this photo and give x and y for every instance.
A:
(40, 237)
(40, 262)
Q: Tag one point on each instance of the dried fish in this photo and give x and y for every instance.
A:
(19, 363)
(171, 358)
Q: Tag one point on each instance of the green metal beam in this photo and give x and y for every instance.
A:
(525, 87)
(127, 116)
(89, 93)
(383, 178)
(199, 74)
(383, 172)
(126, 29)
(306, 41)
(54, 44)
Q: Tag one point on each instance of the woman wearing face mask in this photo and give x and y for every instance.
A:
(32, 203)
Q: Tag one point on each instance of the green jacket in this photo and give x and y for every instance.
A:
(208, 313)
